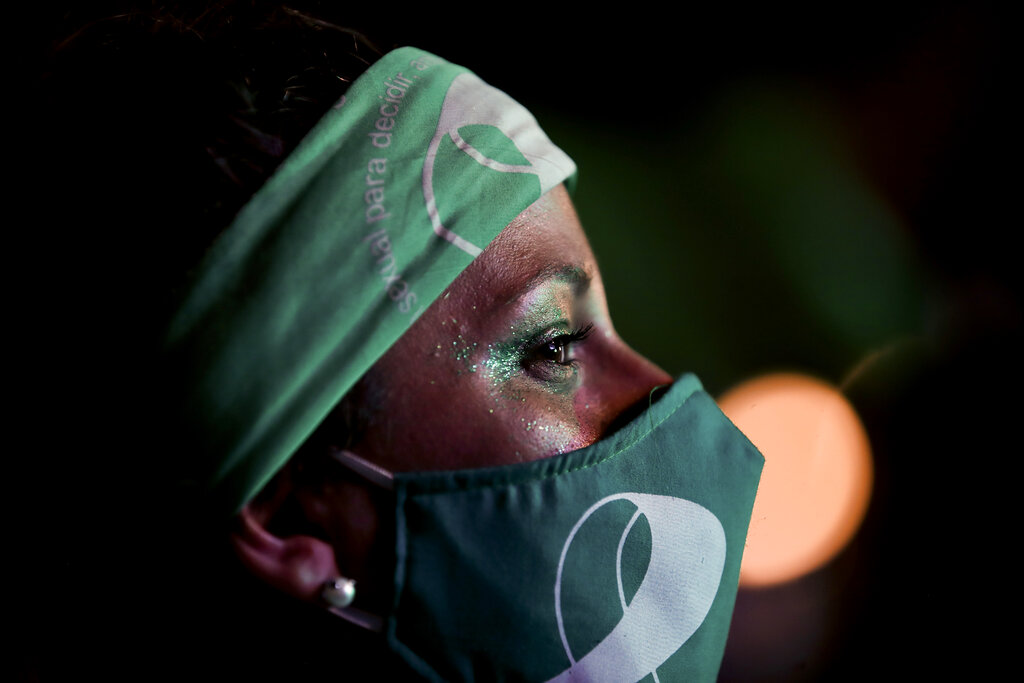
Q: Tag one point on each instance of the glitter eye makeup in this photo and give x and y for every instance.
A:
(545, 356)
(539, 347)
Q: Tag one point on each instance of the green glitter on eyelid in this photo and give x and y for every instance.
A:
(505, 362)
(546, 312)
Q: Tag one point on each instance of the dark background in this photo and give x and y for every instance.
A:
(809, 188)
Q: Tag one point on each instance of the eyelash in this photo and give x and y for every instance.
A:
(556, 349)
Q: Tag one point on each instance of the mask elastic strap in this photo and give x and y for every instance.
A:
(353, 615)
(375, 474)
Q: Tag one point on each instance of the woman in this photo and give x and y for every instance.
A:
(398, 375)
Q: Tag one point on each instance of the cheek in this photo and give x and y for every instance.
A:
(459, 407)
(525, 422)
(589, 429)
(469, 421)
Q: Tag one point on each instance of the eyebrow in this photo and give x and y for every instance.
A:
(571, 274)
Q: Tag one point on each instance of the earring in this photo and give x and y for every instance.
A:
(339, 592)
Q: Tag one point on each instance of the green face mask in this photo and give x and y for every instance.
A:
(612, 563)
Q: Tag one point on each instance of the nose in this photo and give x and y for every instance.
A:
(620, 384)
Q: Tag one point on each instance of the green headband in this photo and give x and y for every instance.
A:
(377, 211)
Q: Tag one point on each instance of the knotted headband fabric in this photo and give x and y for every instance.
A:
(377, 211)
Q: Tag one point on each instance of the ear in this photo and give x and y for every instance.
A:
(298, 565)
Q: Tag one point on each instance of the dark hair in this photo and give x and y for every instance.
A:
(179, 114)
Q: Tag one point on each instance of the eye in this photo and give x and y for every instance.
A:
(546, 356)
(558, 349)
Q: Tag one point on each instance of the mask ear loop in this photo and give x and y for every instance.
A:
(339, 593)
(375, 474)
(354, 615)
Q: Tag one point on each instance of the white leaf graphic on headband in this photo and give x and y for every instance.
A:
(469, 101)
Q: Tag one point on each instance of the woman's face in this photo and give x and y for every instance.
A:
(516, 361)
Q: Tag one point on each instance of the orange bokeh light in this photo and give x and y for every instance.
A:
(817, 475)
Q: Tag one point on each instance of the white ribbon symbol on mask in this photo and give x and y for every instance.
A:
(685, 568)
(471, 101)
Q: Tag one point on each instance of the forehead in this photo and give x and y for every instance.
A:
(545, 242)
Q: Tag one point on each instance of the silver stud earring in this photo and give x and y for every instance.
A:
(339, 592)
